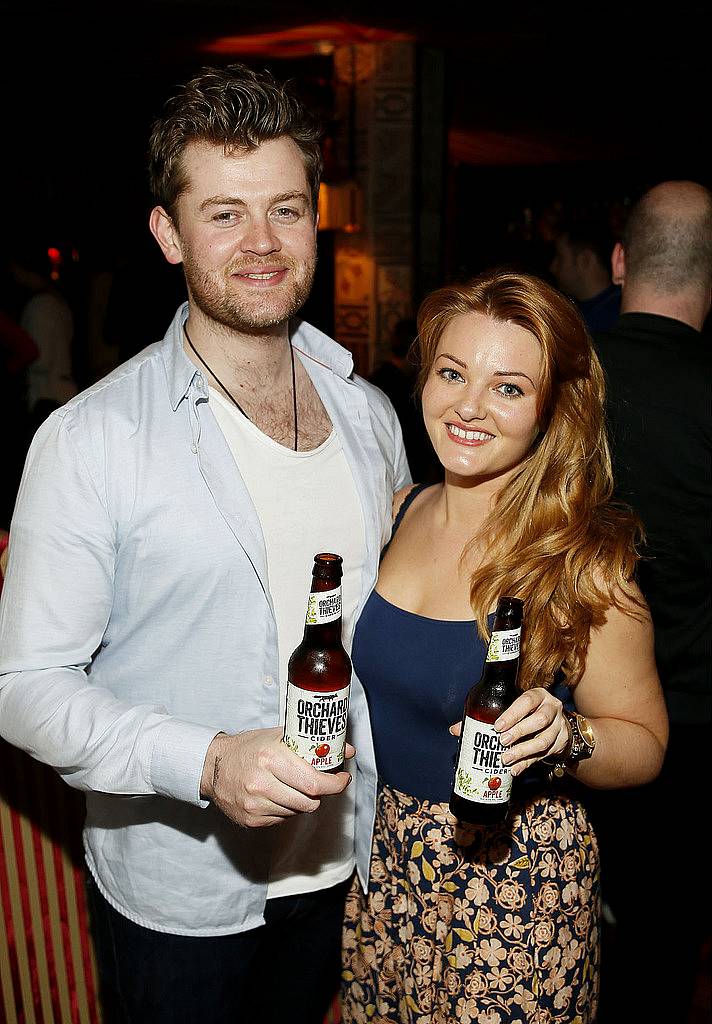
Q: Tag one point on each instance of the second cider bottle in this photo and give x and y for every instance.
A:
(483, 784)
(319, 675)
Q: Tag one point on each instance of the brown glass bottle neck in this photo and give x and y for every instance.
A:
(322, 584)
(325, 634)
(507, 620)
(501, 671)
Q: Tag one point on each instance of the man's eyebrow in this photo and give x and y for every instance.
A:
(282, 197)
(221, 201)
(285, 197)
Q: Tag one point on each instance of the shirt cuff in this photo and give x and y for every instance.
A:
(178, 759)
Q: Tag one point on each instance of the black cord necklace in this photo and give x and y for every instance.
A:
(232, 397)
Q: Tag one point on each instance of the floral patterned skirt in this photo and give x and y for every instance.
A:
(504, 930)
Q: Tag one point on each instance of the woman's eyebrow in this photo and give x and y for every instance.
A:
(514, 373)
(447, 355)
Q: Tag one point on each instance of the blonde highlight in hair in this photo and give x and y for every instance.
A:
(554, 538)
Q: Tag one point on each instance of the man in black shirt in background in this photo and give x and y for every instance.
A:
(659, 378)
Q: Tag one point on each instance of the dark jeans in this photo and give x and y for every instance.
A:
(286, 970)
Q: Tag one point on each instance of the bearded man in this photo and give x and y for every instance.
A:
(160, 563)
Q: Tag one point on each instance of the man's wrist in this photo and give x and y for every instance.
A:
(212, 767)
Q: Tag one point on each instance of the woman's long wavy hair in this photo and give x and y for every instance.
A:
(554, 538)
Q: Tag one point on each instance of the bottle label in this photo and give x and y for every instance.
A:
(504, 645)
(480, 776)
(315, 725)
(324, 607)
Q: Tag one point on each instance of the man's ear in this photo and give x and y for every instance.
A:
(618, 264)
(166, 234)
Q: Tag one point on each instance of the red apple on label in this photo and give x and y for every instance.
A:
(495, 782)
(322, 750)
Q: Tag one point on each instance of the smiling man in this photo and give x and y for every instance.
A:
(160, 564)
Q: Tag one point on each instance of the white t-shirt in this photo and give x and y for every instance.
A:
(306, 503)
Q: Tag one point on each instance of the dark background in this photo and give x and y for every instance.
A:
(559, 102)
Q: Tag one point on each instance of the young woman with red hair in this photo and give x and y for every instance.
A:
(505, 928)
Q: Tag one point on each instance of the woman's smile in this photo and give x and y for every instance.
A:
(480, 397)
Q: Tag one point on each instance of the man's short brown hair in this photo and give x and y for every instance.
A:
(236, 108)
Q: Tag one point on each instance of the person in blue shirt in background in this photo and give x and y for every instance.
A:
(581, 267)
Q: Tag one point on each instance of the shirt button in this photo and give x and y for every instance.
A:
(200, 384)
(268, 680)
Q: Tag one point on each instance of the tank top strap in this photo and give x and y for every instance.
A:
(405, 505)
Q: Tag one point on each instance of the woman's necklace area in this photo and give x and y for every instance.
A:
(232, 397)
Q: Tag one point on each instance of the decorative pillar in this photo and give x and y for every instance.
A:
(375, 140)
(432, 179)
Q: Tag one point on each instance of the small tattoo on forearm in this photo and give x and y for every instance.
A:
(216, 769)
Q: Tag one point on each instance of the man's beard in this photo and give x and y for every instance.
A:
(214, 297)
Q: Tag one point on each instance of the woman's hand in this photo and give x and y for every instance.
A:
(532, 728)
(619, 692)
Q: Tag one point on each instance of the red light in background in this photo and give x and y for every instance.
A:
(303, 40)
(55, 259)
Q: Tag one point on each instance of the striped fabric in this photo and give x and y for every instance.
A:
(47, 969)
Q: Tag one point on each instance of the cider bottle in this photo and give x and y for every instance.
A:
(319, 675)
(482, 786)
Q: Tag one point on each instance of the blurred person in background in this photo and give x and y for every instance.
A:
(658, 366)
(17, 352)
(581, 268)
(397, 376)
(47, 317)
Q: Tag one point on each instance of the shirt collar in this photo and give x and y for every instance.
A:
(316, 345)
(180, 371)
(311, 342)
